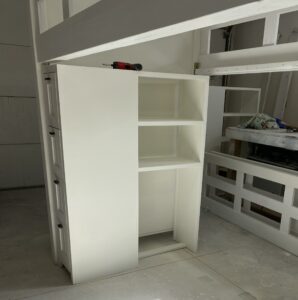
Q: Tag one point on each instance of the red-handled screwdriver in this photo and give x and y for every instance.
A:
(124, 66)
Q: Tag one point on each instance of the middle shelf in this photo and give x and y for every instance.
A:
(165, 163)
(169, 147)
(156, 121)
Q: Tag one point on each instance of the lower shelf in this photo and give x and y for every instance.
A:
(165, 163)
(158, 244)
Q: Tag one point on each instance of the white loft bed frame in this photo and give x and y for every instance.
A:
(283, 235)
(269, 58)
(216, 114)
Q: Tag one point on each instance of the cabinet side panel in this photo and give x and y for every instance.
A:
(189, 181)
(188, 202)
(215, 118)
(99, 121)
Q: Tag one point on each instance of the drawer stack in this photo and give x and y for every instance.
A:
(57, 168)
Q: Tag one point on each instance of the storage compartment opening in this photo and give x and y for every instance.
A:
(238, 36)
(288, 31)
(295, 200)
(226, 173)
(157, 244)
(242, 101)
(157, 204)
(233, 121)
(264, 187)
(261, 213)
(168, 210)
(220, 196)
(294, 227)
(170, 99)
(162, 145)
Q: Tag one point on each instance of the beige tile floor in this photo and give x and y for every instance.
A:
(230, 263)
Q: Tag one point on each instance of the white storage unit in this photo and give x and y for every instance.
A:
(127, 151)
(229, 106)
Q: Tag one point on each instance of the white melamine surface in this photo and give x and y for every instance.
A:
(170, 200)
(157, 202)
(165, 163)
(187, 210)
(167, 122)
(99, 122)
(131, 166)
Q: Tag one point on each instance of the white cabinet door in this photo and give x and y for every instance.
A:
(56, 152)
(99, 123)
(63, 243)
(52, 99)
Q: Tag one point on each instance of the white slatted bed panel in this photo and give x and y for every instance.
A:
(283, 234)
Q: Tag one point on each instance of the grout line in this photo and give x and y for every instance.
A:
(110, 277)
(18, 97)
(20, 144)
(205, 254)
(144, 268)
(222, 275)
(58, 289)
(15, 45)
(22, 188)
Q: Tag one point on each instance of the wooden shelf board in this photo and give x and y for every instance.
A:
(239, 114)
(165, 163)
(168, 122)
(160, 250)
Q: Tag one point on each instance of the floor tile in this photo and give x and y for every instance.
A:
(188, 279)
(164, 258)
(230, 264)
(156, 241)
(27, 266)
(218, 235)
(261, 269)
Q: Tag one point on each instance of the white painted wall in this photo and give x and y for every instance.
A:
(112, 24)
(76, 6)
(50, 13)
(174, 54)
(20, 154)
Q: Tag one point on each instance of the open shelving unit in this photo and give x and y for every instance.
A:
(229, 106)
(172, 128)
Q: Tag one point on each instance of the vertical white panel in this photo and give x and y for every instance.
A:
(271, 30)
(50, 13)
(215, 118)
(205, 41)
(99, 122)
(76, 6)
(188, 202)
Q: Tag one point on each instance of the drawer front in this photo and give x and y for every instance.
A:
(52, 99)
(56, 152)
(59, 194)
(63, 244)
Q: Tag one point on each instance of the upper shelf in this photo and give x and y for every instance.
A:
(171, 101)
